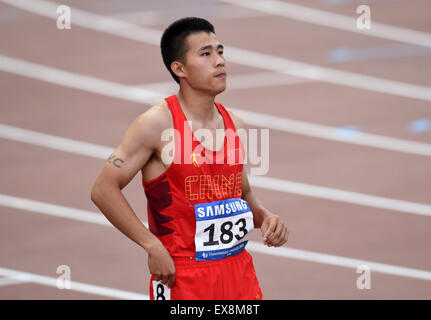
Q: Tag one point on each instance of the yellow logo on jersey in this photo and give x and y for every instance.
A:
(193, 157)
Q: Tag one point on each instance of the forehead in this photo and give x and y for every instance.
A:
(196, 41)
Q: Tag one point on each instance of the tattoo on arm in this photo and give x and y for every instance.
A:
(116, 162)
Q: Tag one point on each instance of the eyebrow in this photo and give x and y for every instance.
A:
(220, 46)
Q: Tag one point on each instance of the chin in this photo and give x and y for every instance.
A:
(219, 89)
(215, 90)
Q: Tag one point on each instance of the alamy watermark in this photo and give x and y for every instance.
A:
(64, 20)
(64, 281)
(364, 280)
(245, 147)
(364, 20)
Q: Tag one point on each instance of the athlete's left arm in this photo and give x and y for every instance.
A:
(273, 228)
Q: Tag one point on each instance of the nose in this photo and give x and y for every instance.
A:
(220, 61)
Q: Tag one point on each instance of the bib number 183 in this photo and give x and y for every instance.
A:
(222, 228)
(226, 234)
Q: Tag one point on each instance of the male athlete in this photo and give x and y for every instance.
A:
(200, 204)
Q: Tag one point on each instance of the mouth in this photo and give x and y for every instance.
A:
(221, 75)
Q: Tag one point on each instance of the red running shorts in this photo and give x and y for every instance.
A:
(232, 278)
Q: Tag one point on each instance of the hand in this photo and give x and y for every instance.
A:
(161, 264)
(274, 231)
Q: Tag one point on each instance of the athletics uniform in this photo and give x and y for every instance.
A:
(195, 209)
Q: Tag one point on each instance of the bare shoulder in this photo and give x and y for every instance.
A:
(148, 127)
(158, 117)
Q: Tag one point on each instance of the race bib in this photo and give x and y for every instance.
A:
(222, 228)
(161, 291)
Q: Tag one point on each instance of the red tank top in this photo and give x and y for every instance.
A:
(197, 175)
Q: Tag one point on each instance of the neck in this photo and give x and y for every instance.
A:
(198, 104)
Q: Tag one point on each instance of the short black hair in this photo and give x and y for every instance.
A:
(173, 45)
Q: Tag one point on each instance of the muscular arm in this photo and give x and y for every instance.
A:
(136, 148)
(126, 161)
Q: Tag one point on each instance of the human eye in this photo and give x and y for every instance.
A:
(205, 54)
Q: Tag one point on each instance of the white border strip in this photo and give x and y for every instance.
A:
(75, 286)
(240, 56)
(39, 207)
(136, 94)
(333, 20)
(268, 183)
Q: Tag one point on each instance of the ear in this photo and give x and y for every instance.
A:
(179, 69)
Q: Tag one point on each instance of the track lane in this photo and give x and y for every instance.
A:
(372, 219)
(396, 288)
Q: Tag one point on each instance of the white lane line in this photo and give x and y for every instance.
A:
(53, 142)
(333, 20)
(330, 133)
(78, 81)
(339, 261)
(148, 96)
(91, 21)
(75, 286)
(8, 281)
(216, 11)
(340, 195)
(236, 82)
(263, 182)
(316, 73)
(235, 55)
(262, 79)
(53, 210)
(280, 252)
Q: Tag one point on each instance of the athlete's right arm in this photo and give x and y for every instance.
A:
(136, 148)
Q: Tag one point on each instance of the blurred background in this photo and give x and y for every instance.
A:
(343, 86)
